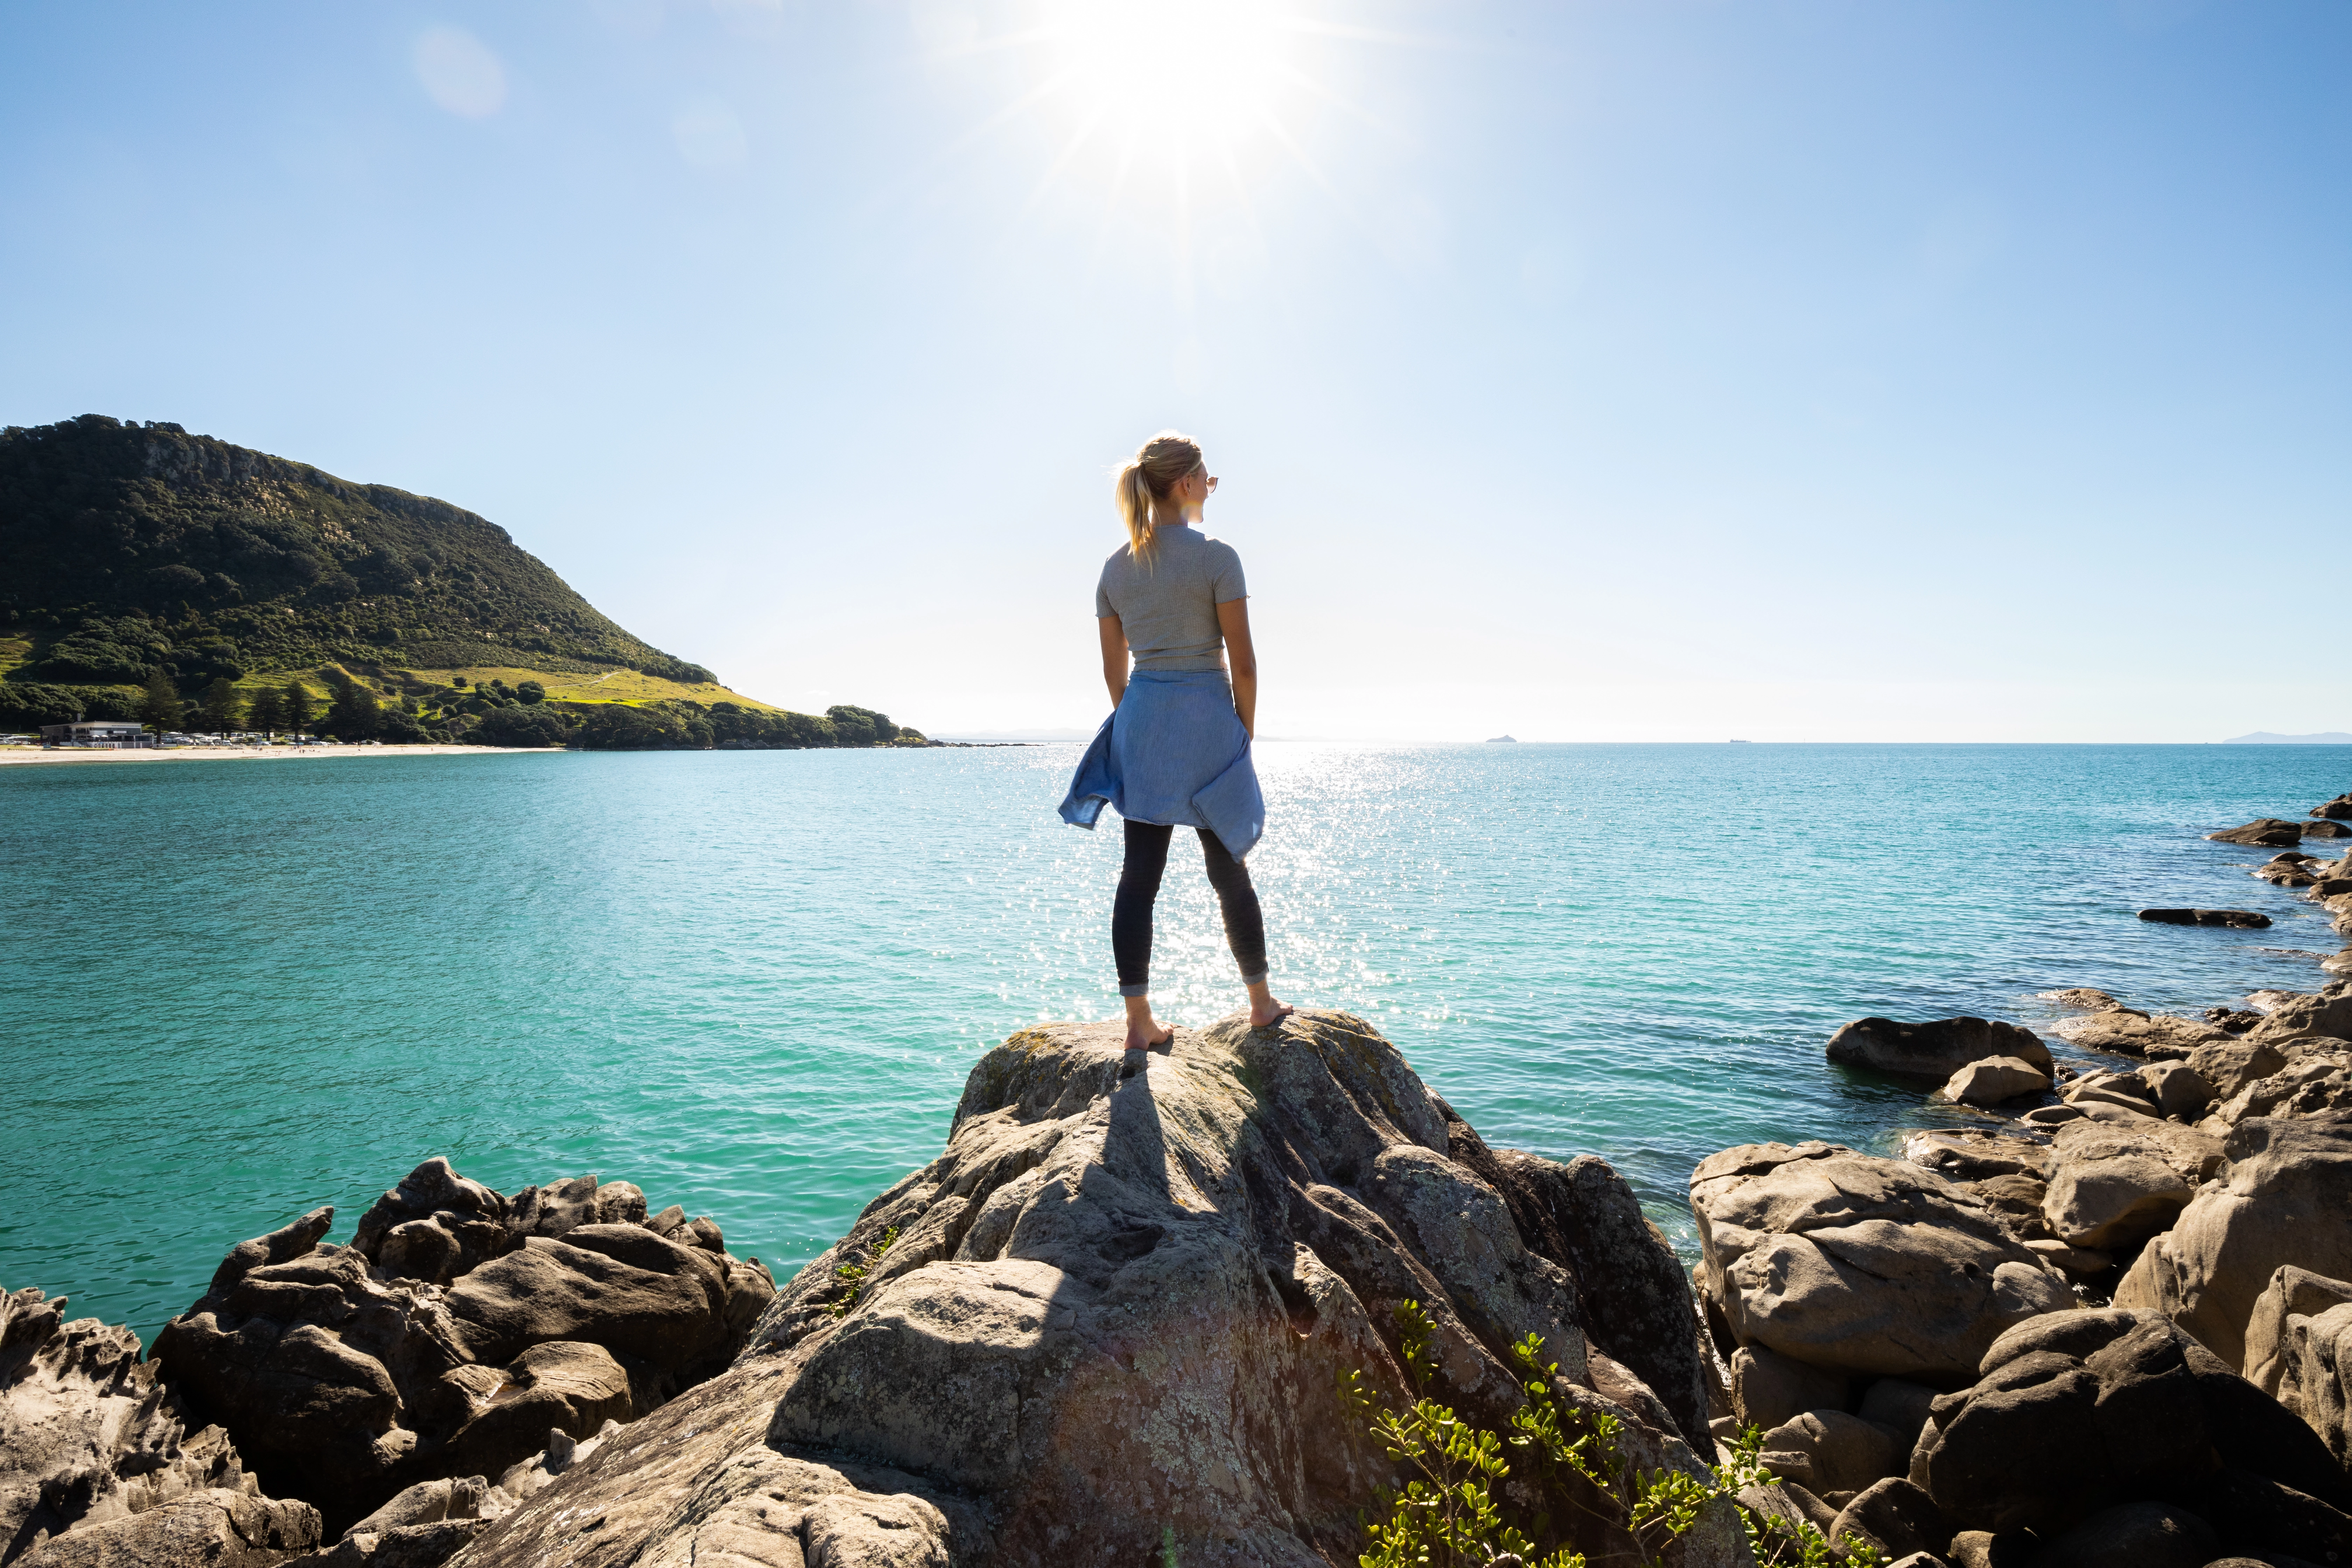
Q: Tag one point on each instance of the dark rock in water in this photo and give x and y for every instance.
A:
(2338, 809)
(2240, 919)
(344, 1379)
(2289, 868)
(2327, 829)
(1933, 1050)
(92, 1448)
(2078, 1412)
(1110, 1317)
(2263, 831)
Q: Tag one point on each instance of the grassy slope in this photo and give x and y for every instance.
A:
(227, 560)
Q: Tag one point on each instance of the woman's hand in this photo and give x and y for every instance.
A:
(1241, 661)
(1114, 655)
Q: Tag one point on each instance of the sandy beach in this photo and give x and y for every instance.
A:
(30, 754)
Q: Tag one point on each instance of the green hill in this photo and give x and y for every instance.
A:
(127, 549)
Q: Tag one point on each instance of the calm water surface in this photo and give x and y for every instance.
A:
(754, 982)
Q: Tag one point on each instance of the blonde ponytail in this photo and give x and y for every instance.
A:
(1144, 481)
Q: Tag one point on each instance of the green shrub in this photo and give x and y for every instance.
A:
(1448, 1513)
(520, 727)
(28, 706)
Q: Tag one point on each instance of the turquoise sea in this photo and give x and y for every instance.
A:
(752, 983)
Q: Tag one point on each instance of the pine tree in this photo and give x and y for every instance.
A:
(159, 706)
(220, 706)
(266, 711)
(295, 707)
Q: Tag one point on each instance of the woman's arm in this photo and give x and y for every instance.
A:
(1241, 658)
(1113, 652)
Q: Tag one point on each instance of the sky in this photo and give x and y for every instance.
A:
(1803, 370)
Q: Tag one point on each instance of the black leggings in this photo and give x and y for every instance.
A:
(1139, 888)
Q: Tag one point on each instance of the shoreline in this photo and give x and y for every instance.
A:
(24, 756)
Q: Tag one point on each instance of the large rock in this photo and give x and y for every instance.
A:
(2299, 1351)
(2340, 808)
(2127, 1032)
(1827, 1451)
(214, 1528)
(2083, 1411)
(2112, 1187)
(2229, 1064)
(2285, 1199)
(2311, 1085)
(1106, 1327)
(1860, 1263)
(1768, 1389)
(344, 1380)
(2240, 919)
(1996, 1080)
(2326, 1014)
(1936, 1049)
(89, 1437)
(2264, 832)
(1968, 1154)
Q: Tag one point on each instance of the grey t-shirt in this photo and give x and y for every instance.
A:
(1167, 601)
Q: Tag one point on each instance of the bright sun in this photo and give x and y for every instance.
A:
(1182, 84)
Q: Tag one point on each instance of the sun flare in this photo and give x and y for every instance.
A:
(1175, 83)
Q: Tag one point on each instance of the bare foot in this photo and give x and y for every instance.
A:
(1144, 1032)
(1265, 1009)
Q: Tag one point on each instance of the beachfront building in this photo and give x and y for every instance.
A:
(96, 733)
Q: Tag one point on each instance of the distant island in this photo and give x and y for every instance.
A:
(1502, 740)
(149, 575)
(2264, 738)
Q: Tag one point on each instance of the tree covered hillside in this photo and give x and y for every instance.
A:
(127, 546)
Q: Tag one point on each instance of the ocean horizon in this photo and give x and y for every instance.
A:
(754, 982)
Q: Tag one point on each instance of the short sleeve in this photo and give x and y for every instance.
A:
(1226, 578)
(1102, 593)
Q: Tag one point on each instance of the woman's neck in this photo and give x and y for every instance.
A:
(1184, 518)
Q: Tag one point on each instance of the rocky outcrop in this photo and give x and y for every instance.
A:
(2263, 831)
(2239, 920)
(1861, 1265)
(2289, 868)
(1933, 1050)
(2287, 1199)
(345, 1378)
(2299, 1351)
(91, 1444)
(2339, 809)
(1104, 1325)
(2078, 1412)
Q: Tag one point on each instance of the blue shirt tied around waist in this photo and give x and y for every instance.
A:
(1173, 752)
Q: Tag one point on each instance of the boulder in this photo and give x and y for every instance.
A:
(2016, 1201)
(2229, 1064)
(2133, 1535)
(2339, 809)
(2326, 1013)
(1113, 1310)
(2112, 1187)
(2326, 829)
(1859, 1263)
(216, 1527)
(2286, 1198)
(1996, 1080)
(1899, 1405)
(344, 1382)
(89, 1437)
(2075, 1262)
(2299, 1351)
(2311, 1085)
(1768, 1389)
(2128, 1090)
(2180, 1089)
(2236, 920)
(1933, 1050)
(2128, 1033)
(2082, 1411)
(1828, 1451)
(2045, 1117)
(2263, 831)
(2340, 963)
(1895, 1518)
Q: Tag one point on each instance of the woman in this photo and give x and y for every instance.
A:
(1175, 751)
